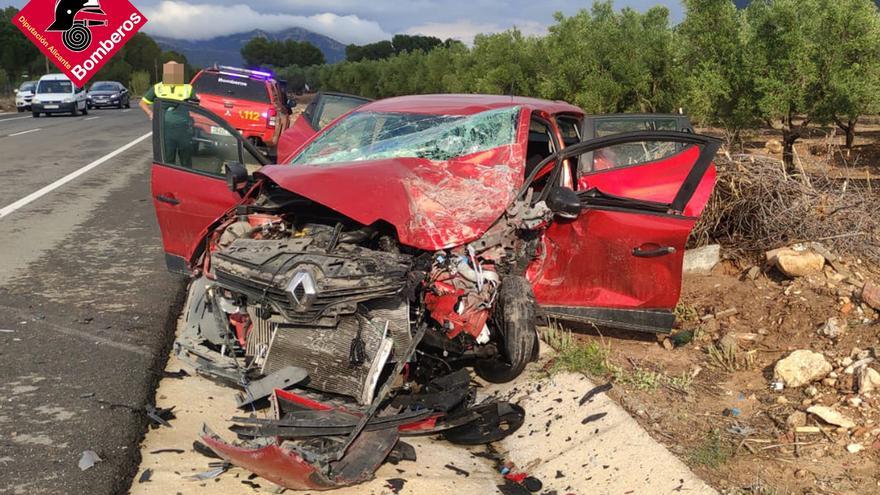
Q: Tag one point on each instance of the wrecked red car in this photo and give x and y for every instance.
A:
(413, 237)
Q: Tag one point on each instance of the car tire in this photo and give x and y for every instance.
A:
(75, 111)
(20, 110)
(36, 114)
(128, 103)
(516, 338)
(85, 110)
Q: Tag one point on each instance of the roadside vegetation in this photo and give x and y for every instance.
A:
(786, 64)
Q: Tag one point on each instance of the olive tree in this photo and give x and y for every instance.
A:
(718, 85)
(611, 61)
(849, 62)
(782, 55)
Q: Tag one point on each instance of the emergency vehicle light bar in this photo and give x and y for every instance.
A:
(257, 73)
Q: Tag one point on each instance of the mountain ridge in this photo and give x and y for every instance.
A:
(226, 49)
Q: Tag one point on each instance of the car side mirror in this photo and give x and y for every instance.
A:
(236, 177)
(564, 202)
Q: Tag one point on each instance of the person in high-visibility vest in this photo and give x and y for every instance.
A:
(177, 124)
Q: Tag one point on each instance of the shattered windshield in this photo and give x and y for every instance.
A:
(377, 135)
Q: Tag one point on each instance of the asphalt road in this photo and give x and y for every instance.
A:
(86, 306)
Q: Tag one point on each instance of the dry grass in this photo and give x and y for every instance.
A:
(756, 206)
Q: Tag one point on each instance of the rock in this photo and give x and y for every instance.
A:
(869, 380)
(829, 382)
(797, 418)
(801, 367)
(811, 391)
(854, 448)
(774, 146)
(798, 264)
(871, 295)
(854, 401)
(847, 361)
(833, 328)
(753, 272)
(702, 259)
(831, 416)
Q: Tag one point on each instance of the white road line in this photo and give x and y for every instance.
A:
(6, 210)
(16, 118)
(24, 132)
(127, 110)
(91, 118)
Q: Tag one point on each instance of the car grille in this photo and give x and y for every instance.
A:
(328, 305)
(349, 276)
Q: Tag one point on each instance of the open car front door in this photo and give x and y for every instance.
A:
(191, 149)
(618, 264)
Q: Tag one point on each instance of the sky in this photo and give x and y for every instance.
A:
(362, 21)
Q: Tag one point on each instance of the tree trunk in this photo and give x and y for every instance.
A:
(849, 128)
(788, 139)
(850, 134)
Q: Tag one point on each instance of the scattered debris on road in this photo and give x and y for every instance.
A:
(88, 459)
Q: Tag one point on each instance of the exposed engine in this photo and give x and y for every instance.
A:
(342, 301)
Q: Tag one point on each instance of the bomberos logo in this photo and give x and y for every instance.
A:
(79, 36)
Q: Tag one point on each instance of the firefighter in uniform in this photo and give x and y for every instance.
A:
(178, 124)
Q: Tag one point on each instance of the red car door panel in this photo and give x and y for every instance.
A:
(591, 262)
(186, 205)
(189, 190)
(657, 181)
(621, 258)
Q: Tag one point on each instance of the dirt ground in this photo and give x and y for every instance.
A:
(724, 420)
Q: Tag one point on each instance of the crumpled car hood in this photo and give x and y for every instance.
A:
(432, 204)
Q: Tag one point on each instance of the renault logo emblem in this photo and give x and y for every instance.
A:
(302, 290)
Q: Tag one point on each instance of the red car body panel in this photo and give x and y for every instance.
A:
(200, 200)
(291, 140)
(590, 261)
(656, 181)
(431, 205)
(278, 465)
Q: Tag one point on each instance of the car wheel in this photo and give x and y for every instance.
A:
(128, 103)
(516, 338)
(36, 115)
(85, 110)
(20, 110)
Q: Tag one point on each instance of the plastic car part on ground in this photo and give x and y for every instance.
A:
(296, 450)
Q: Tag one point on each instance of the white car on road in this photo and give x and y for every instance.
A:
(24, 94)
(56, 93)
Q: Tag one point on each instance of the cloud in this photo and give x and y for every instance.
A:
(175, 19)
(465, 29)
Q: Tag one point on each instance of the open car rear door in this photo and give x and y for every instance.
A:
(191, 148)
(618, 264)
(325, 108)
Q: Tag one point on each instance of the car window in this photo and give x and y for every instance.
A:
(200, 142)
(55, 86)
(104, 87)
(378, 135)
(28, 86)
(332, 107)
(629, 154)
(232, 85)
(569, 129)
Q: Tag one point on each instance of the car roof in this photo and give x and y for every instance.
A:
(465, 104)
(55, 77)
